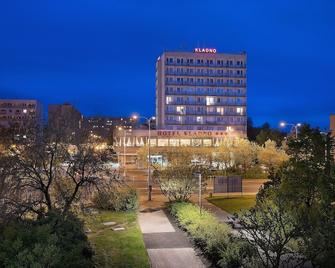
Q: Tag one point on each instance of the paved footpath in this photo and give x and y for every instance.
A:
(167, 246)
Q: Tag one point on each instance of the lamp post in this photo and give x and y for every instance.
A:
(135, 117)
(295, 126)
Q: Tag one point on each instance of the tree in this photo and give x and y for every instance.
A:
(266, 133)
(270, 156)
(178, 181)
(269, 228)
(245, 154)
(308, 185)
(224, 154)
(48, 176)
(305, 186)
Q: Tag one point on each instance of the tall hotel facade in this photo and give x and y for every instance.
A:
(201, 90)
(201, 98)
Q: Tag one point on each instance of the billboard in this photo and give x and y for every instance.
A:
(227, 184)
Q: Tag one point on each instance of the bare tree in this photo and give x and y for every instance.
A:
(49, 174)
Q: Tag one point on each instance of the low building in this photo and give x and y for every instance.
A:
(19, 113)
(164, 138)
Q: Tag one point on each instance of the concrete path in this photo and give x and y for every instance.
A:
(167, 246)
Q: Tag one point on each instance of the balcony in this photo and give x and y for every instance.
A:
(205, 64)
(203, 84)
(204, 75)
(205, 93)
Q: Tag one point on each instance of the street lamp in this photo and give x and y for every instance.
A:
(124, 149)
(135, 117)
(295, 126)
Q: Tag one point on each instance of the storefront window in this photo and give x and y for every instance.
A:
(207, 142)
(153, 142)
(185, 142)
(163, 142)
(174, 142)
(196, 142)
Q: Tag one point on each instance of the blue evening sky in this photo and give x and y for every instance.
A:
(100, 54)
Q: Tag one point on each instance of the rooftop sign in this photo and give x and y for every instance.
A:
(205, 50)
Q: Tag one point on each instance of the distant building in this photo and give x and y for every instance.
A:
(202, 91)
(19, 114)
(65, 117)
(104, 126)
(332, 125)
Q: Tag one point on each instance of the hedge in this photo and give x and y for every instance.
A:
(214, 238)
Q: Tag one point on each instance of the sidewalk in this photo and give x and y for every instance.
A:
(167, 246)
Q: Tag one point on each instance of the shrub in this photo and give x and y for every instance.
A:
(213, 238)
(52, 241)
(116, 199)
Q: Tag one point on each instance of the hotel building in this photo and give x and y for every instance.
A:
(201, 90)
(200, 100)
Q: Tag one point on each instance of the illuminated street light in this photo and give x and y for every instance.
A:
(135, 117)
(295, 126)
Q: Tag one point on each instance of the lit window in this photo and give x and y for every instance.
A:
(180, 109)
(209, 100)
(168, 99)
(239, 110)
(199, 119)
(220, 110)
(229, 128)
(24, 111)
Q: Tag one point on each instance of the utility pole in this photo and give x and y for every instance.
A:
(200, 193)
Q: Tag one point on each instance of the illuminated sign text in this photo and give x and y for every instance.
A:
(205, 50)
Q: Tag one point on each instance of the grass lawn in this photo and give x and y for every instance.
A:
(233, 204)
(117, 249)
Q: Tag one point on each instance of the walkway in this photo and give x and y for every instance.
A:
(167, 246)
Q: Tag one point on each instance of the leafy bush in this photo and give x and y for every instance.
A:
(214, 238)
(53, 241)
(116, 199)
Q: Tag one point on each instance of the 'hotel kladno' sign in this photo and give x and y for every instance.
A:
(205, 50)
(190, 133)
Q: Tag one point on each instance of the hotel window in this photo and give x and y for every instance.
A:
(210, 110)
(178, 60)
(209, 100)
(199, 119)
(168, 99)
(220, 110)
(180, 109)
(239, 110)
